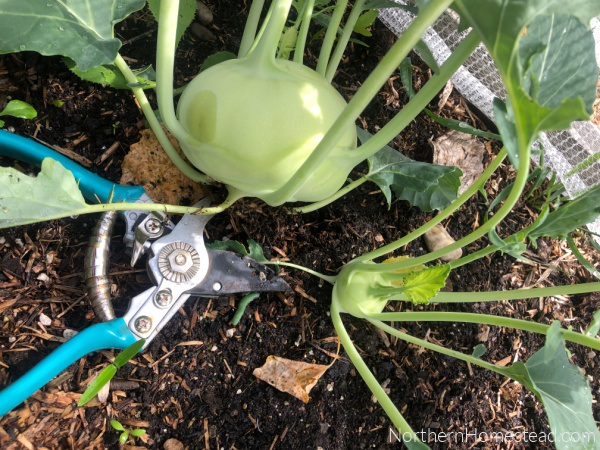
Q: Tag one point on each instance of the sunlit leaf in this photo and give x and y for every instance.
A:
(125, 356)
(422, 286)
(19, 109)
(563, 390)
(99, 382)
(52, 194)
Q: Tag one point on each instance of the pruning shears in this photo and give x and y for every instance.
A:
(179, 264)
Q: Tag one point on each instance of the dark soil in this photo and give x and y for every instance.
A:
(203, 393)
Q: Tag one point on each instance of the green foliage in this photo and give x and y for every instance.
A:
(217, 58)
(253, 251)
(426, 186)
(53, 193)
(80, 30)
(461, 126)
(420, 287)
(137, 432)
(110, 75)
(562, 388)
(109, 372)
(18, 109)
(364, 22)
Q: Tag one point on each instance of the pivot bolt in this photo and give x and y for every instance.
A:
(153, 226)
(143, 324)
(163, 298)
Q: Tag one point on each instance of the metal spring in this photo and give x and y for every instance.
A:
(96, 266)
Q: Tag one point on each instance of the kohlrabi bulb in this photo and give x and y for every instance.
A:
(257, 124)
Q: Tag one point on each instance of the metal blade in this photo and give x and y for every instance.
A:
(231, 273)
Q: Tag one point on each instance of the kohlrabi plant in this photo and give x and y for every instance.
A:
(260, 123)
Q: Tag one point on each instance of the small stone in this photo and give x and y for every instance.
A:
(205, 15)
(43, 277)
(214, 348)
(438, 238)
(330, 387)
(12, 339)
(230, 332)
(68, 333)
(172, 444)
(45, 320)
(202, 33)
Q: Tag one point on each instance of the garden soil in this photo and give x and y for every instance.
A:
(193, 387)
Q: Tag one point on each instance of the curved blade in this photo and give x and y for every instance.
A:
(231, 273)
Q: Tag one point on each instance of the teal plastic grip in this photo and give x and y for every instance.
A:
(112, 334)
(92, 186)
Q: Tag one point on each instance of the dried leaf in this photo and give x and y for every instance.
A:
(148, 165)
(461, 150)
(294, 377)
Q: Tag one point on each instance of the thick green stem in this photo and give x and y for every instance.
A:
(334, 197)
(517, 294)
(476, 186)
(330, 35)
(383, 399)
(251, 27)
(437, 316)
(302, 35)
(429, 13)
(165, 57)
(334, 62)
(160, 134)
(266, 49)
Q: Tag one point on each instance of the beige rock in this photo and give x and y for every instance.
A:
(173, 444)
(437, 238)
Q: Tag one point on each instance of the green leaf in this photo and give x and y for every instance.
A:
(117, 425)
(217, 58)
(582, 259)
(406, 77)
(254, 250)
(426, 55)
(138, 432)
(539, 56)
(569, 216)
(287, 43)
(80, 30)
(563, 390)
(427, 186)
(110, 75)
(52, 194)
(123, 437)
(421, 286)
(2, 123)
(461, 126)
(479, 351)
(103, 377)
(594, 327)
(19, 109)
(126, 355)
(187, 9)
(365, 21)
(558, 44)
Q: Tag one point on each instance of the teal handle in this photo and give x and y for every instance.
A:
(92, 186)
(112, 334)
